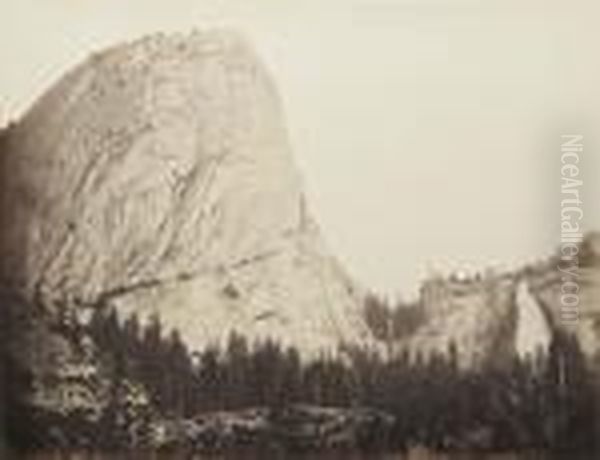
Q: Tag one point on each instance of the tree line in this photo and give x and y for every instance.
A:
(549, 401)
(239, 375)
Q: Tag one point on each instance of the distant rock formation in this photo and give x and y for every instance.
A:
(477, 318)
(491, 318)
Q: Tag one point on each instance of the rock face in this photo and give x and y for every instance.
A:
(157, 177)
(476, 317)
(491, 318)
(534, 333)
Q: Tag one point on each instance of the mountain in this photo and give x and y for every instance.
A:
(157, 177)
(492, 317)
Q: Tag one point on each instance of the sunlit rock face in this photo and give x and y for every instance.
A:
(473, 320)
(490, 319)
(534, 332)
(157, 177)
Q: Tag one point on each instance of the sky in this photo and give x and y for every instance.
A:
(428, 132)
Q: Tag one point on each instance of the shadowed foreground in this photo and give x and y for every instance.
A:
(327, 456)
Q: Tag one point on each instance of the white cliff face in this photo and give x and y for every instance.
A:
(157, 177)
(534, 333)
(476, 317)
(489, 320)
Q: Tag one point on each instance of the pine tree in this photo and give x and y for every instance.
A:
(152, 361)
(237, 372)
(210, 380)
(176, 385)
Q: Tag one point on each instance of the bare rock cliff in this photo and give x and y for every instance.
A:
(490, 318)
(157, 177)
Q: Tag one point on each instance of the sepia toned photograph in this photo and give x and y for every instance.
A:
(284, 230)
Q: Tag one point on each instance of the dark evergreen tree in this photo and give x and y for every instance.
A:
(177, 381)
(237, 379)
(210, 380)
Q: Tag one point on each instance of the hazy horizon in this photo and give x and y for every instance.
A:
(428, 133)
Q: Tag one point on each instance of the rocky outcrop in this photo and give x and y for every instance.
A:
(296, 428)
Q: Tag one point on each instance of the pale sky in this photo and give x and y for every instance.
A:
(427, 131)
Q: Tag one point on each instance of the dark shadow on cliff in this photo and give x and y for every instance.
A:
(14, 312)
